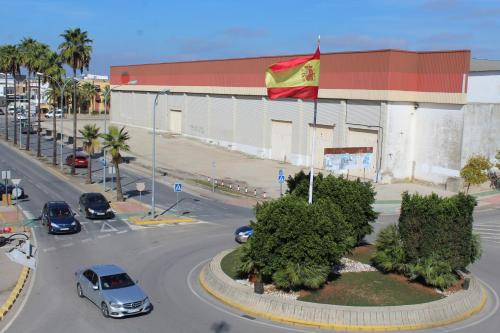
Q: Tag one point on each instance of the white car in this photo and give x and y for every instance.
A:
(58, 114)
(22, 116)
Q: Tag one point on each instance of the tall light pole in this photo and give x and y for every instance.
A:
(6, 110)
(106, 95)
(153, 168)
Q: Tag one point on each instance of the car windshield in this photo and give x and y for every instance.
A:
(60, 212)
(116, 281)
(243, 229)
(97, 199)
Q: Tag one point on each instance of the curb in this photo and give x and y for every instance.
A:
(342, 327)
(138, 221)
(14, 293)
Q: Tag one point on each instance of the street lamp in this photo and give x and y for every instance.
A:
(6, 110)
(106, 95)
(161, 92)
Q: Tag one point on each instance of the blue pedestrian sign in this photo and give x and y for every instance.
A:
(281, 176)
(177, 187)
(103, 161)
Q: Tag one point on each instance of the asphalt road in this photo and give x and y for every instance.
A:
(166, 261)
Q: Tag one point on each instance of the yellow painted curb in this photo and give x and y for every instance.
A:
(139, 221)
(341, 327)
(14, 293)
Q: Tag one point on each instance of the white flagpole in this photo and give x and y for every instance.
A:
(313, 150)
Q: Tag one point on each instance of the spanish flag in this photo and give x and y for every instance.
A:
(295, 78)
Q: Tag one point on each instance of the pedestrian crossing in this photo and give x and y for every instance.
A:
(488, 231)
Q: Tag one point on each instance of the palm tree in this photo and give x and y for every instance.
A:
(28, 51)
(116, 140)
(54, 73)
(91, 143)
(106, 92)
(42, 53)
(87, 95)
(4, 68)
(76, 51)
(12, 61)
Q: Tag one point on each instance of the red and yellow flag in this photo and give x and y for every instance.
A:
(295, 78)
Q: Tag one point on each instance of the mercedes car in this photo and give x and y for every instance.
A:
(112, 290)
(95, 205)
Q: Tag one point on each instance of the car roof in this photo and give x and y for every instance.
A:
(106, 269)
(93, 195)
(57, 204)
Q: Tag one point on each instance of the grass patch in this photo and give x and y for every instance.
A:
(363, 253)
(230, 263)
(371, 289)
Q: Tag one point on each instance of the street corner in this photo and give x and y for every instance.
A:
(12, 220)
(490, 200)
(160, 220)
(129, 207)
(12, 282)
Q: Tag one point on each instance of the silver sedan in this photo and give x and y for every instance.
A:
(112, 290)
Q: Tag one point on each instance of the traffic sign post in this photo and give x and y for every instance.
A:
(16, 183)
(177, 190)
(112, 171)
(281, 180)
(6, 177)
(140, 187)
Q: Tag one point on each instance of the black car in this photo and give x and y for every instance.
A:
(59, 218)
(95, 205)
(10, 188)
(25, 128)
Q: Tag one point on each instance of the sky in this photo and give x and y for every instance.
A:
(151, 31)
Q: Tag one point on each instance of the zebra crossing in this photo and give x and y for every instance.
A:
(488, 231)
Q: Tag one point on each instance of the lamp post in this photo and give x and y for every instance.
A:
(106, 95)
(153, 168)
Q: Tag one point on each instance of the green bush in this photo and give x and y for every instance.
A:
(355, 198)
(389, 256)
(434, 271)
(295, 244)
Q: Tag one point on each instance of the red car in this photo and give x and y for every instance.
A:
(81, 160)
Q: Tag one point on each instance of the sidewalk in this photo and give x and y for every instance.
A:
(191, 160)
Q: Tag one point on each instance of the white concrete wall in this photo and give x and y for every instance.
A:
(438, 141)
(484, 87)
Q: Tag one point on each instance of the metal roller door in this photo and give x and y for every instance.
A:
(175, 121)
(324, 139)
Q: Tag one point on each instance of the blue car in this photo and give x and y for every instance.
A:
(242, 234)
(59, 218)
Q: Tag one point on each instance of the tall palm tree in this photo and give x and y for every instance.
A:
(12, 63)
(4, 68)
(106, 92)
(42, 52)
(76, 51)
(54, 73)
(116, 140)
(28, 50)
(91, 143)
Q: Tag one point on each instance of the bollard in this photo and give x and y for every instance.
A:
(255, 192)
(264, 195)
(230, 186)
(222, 183)
(246, 190)
(208, 180)
(238, 188)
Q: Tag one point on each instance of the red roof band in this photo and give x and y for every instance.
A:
(439, 71)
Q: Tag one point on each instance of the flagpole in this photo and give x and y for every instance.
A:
(313, 150)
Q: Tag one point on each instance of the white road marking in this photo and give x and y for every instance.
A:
(103, 236)
(67, 245)
(49, 249)
(106, 227)
(122, 232)
(85, 240)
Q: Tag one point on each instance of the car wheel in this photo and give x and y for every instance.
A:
(79, 290)
(104, 310)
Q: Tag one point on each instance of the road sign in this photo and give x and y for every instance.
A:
(103, 161)
(111, 170)
(177, 187)
(16, 193)
(6, 174)
(16, 181)
(140, 187)
(281, 179)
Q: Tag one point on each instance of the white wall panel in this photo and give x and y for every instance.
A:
(196, 120)
(363, 112)
(221, 114)
(249, 120)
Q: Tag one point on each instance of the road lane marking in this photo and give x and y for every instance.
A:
(49, 249)
(67, 245)
(85, 240)
(103, 236)
(122, 232)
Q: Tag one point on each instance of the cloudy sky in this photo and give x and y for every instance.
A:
(145, 31)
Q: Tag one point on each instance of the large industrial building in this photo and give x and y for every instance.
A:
(411, 107)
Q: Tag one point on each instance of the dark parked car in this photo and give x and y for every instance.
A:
(242, 234)
(95, 205)
(59, 218)
(81, 160)
(112, 290)
(11, 188)
(24, 128)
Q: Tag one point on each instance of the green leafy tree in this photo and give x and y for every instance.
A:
(475, 172)
(76, 51)
(91, 135)
(355, 198)
(295, 244)
(5, 68)
(116, 141)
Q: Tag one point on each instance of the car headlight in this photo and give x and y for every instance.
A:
(91, 210)
(53, 225)
(109, 210)
(73, 223)
(115, 304)
(145, 301)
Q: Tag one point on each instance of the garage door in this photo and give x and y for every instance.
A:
(281, 140)
(324, 139)
(364, 138)
(175, 121)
